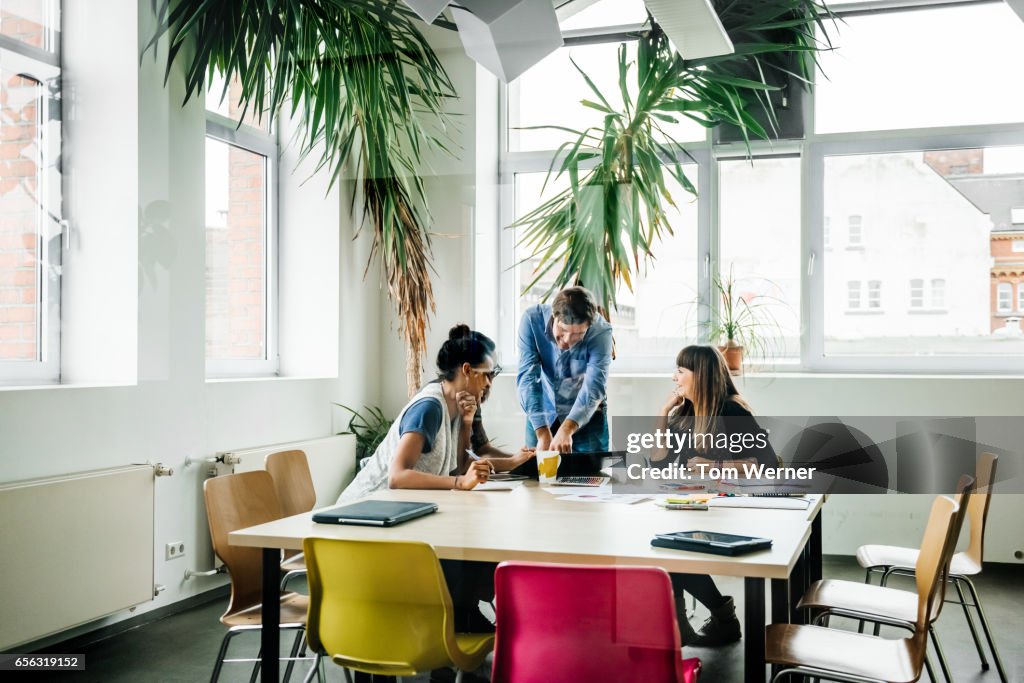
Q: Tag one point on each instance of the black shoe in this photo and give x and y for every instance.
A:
(686, 633)
(721, 628)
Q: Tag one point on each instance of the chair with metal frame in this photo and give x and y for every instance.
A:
(896, 560)
(383, 607)
(237, 501)
(859, 658)
(882, 605)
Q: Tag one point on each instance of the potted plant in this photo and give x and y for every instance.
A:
(604, 228)
(743, 324)
(369, 430)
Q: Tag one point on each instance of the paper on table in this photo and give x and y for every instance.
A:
(497, 486)
(618, 498)
(786, 503)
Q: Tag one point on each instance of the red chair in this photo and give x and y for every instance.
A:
(570, 623)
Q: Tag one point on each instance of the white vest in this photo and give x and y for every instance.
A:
(441, 459)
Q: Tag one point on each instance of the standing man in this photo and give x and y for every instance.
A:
(564, 353)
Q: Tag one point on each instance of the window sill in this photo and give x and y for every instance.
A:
(864, 311)
(268, 378)
(928, 311)
(54, 386)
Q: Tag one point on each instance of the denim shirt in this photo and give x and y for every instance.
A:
(555, 384)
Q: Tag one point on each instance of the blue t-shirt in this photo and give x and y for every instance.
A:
(423, 417)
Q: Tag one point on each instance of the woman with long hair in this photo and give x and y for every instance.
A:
(705, 401)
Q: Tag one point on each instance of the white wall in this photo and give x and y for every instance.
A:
(172, 413)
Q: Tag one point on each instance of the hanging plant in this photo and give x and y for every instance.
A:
(369, 94)
(603, 228)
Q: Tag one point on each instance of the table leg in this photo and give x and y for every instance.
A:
(270, 634)
(780, 601)
(814, 564)
(798, 582)
(753, 629)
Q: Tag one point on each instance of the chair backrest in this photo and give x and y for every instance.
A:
(965, 490)
(936, 551)
(560, 624)
(977, 510)
(378, 606)
(236, 501)
(294, 483)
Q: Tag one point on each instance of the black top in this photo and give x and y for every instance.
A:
(737, 436)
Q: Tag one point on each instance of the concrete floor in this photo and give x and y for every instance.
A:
(182, 647)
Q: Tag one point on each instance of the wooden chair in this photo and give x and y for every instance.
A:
(881, 605)
(845, 656)
(294, 485)
(896, 560)
(236, 501)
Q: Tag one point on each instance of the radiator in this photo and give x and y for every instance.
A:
(332, 462)
(75, 548)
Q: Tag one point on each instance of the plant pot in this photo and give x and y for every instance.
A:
(733, 353)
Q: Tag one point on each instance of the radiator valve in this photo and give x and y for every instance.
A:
(230, 459)
(162, 470)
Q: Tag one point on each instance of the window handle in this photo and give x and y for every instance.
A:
(810, 264)
(65, 231)
(707, 267)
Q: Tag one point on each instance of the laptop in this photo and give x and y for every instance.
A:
(584, 469)
(374, 513)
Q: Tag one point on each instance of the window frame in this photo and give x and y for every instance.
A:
(812, 150)
(44, 66)
(226, 130)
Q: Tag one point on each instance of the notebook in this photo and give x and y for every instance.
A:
(374, 513)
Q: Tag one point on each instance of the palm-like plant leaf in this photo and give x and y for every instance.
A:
(369, 93)
(602, 228)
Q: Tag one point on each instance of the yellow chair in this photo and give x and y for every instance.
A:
(383, 607)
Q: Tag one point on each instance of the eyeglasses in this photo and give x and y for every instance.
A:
(489, 374)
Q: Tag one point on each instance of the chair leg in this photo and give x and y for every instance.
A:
(929, 669)
(313, 671)
(867, 579)
(940, 655)
(221, 655)
(458, 676)
(256, 667)
(985, 627)
(970, 623)
(299, 637)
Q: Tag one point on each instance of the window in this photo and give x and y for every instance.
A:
(874, 294)
(916, 293)
(853, 294)
(241, 232)
(924, 54)
(931, 178)
(30, 192)
(1020, 297)
(1004, 297)
(759, 221)
(938, 293)
(855, 237)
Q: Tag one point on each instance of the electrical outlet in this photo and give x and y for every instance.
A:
(174, 550)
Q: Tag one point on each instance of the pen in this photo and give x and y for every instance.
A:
(474, 456)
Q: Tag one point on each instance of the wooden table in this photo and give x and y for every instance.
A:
(531, 524)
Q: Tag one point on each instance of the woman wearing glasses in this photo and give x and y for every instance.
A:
(427, 443)
(703, 401)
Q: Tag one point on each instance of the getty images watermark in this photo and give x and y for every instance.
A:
(815, 454)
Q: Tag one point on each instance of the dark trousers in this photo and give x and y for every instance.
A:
(469, 583)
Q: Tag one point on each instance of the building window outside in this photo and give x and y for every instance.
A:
(1004, 297)
(30, 192)
(1017, 215)
(917, 293)
(1020, 297)
(938, 293)
(1017, 246)
(855, 235)
(241, 229)
(874, 294)
(853, 294)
